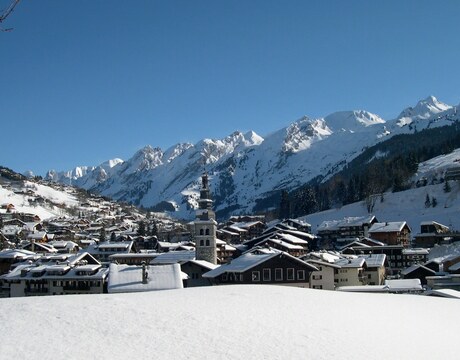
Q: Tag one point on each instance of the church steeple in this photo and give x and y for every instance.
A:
(204, 211)
(205, 225)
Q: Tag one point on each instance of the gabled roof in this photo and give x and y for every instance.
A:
(203, 263)
(387, 227)
(415, 267)
(374, 260)
(173, 257)
(345, 222)
(351, 262)
(251, 259)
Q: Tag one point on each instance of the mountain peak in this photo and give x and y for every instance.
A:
(423, 110)
(352, 120)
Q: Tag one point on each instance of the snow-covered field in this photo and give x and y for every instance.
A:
(230, 322)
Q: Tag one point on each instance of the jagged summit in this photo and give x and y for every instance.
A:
(352, 120)
(424, 109)
(246, 168)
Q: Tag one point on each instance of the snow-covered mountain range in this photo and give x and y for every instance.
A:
(245, 167)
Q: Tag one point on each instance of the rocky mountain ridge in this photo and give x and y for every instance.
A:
(244, 167)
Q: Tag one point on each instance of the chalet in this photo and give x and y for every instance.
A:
(263, 266)
(324, 278)
(38, 247)
(247, 230)
(65, 246)
(133, 258)
(417, 271)
(345, 230)
(103, 250)
(79, 274)
(174, 257)
(443, 263)
(134, 278)
(8, 257)
(391, 233)
(443, 282)
(225, 252)
(13, 233)
(351, 271)
(375, 270)
(432, 233)
(398, 257)
(228, 236)
(39, 236)
(298, 225)
(195, 270)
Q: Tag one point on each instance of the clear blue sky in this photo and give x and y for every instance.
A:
(84, 81)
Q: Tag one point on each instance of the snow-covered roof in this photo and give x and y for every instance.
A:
(128, 278)
(351, 262)
(173, 257)
(374, 260)
(448, 293)
(416, 251)
(387, 227)
(16, 253)
(346, 222)
(404, 285)
(414, 267)
(241, 263)
(205, 264)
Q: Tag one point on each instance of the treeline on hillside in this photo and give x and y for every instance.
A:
(388, 165)
(10, 174)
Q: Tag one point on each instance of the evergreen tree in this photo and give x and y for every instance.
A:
(285, 206)
(447, 187)
(141, 228)
(154, 230)
(434, 202)
(113, 237)
(102, 235)
(427, 201)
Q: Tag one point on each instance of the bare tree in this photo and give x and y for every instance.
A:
(5, 13)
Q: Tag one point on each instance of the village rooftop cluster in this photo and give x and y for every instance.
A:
(107, 247)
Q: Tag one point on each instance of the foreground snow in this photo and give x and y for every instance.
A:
(230, 322)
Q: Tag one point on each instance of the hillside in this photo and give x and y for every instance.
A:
(232, 323)
(246, 168)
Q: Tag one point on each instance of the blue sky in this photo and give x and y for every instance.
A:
(84, 81)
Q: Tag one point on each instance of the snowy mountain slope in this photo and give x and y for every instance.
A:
(24, 199)
(245, 168)
(409, 205)
(234, 322)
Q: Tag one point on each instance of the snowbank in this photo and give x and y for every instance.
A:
(230, 322)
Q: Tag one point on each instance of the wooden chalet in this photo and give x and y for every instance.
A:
(263, 266)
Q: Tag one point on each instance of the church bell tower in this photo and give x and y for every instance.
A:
(205, 225)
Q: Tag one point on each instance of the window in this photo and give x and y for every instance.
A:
(256, 276)
(290, 274)
(207, 231)
(278, 274)
(267, 276)
(201, 242)
(300, 274)
(201, 232)
(224, 277)
(207, 242)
